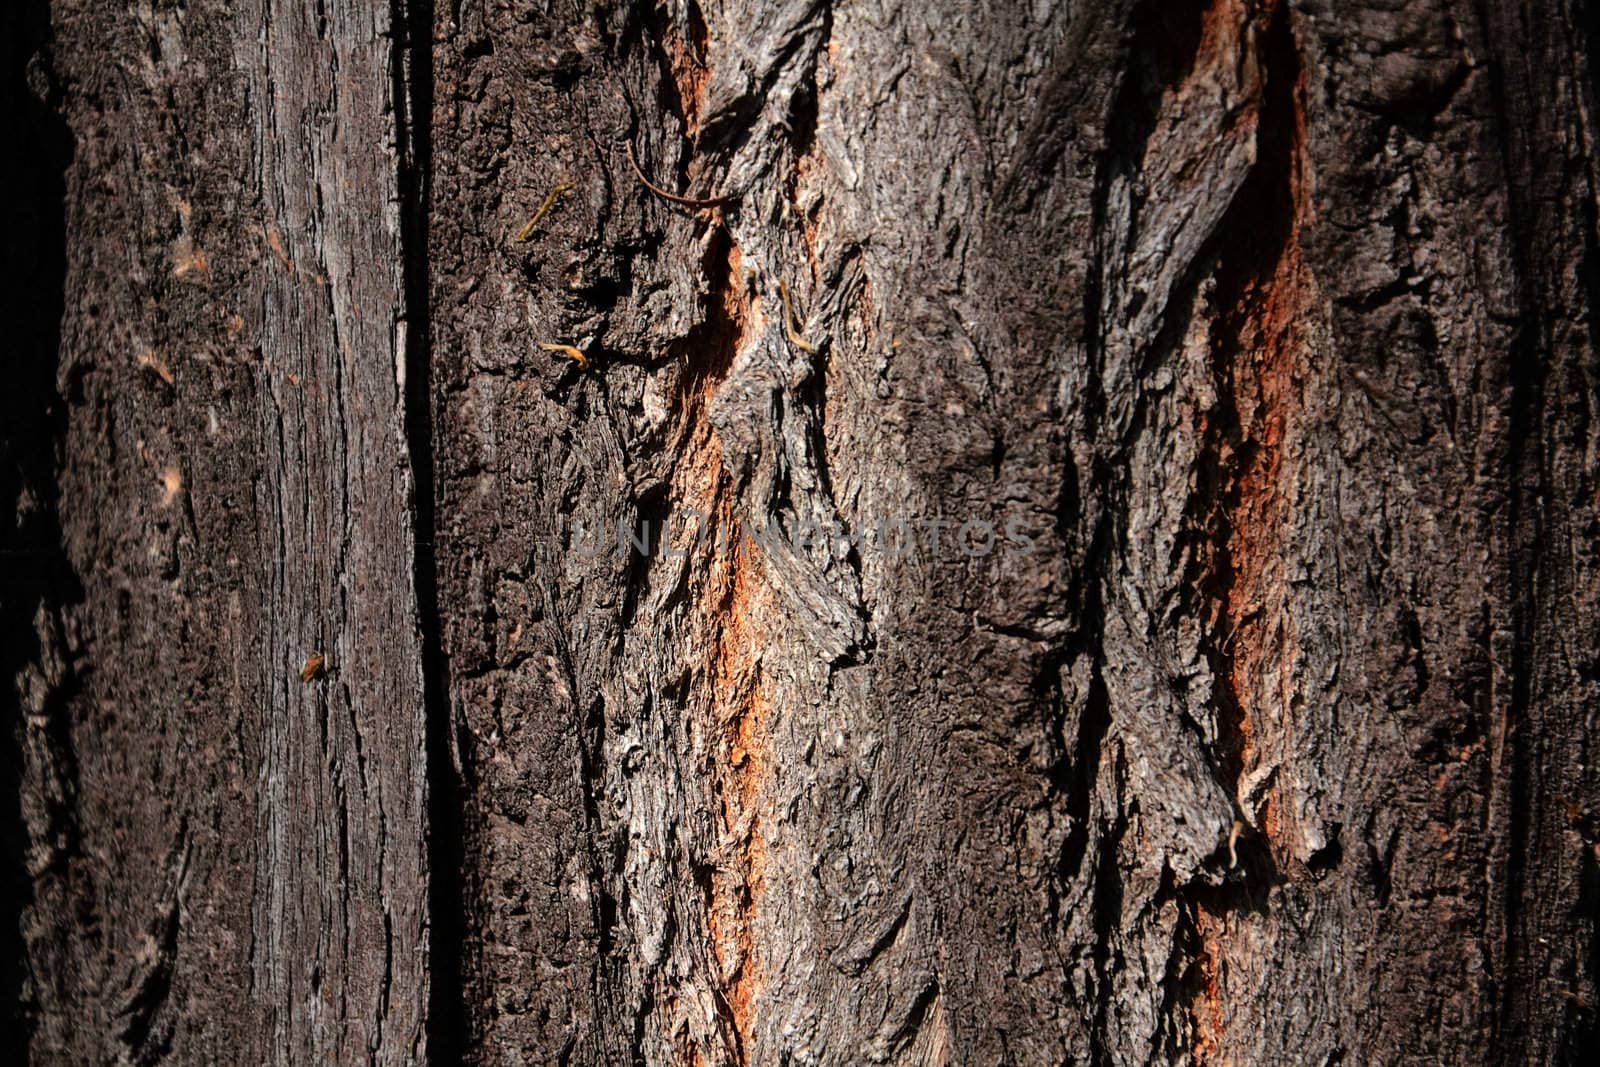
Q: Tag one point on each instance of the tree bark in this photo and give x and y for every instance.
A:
(421, 639)
(220, 847)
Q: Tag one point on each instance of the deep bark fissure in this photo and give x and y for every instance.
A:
(38, 578)
(1253, 291)
(1256, 304)
(413, 101)
(731, 603)
(684, 64)
(1526, 465)
(1107, 897)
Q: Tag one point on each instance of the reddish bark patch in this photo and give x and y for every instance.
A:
(1261, 304)
(730, 705)
(690, 68)
(1262, 376)
(1221, 33)
(1207, 1008)
(740, 712)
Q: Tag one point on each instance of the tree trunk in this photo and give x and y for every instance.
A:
(220, 847)
(802, 532)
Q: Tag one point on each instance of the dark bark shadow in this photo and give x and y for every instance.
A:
(35, 573)
(413, 99)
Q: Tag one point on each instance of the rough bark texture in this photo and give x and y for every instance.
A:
(1261, 332)
(216, 860)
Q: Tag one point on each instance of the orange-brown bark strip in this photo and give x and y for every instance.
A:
(1263, 299)
(1260, 306)
(687, 59)
(1207, 1008)
(731, 706)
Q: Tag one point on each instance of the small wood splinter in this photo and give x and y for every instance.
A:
(567, 350)
(789, 327)
(687, 201)
(549, 202)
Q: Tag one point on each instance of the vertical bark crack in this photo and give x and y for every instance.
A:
(413, 100)
(38, 762)
(733, 706)
(1259, 306)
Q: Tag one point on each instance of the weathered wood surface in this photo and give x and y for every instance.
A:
(221, 862)
(1264, 330)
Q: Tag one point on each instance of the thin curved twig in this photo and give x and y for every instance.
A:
(686, 201)
(549, 202)
(790, 327)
